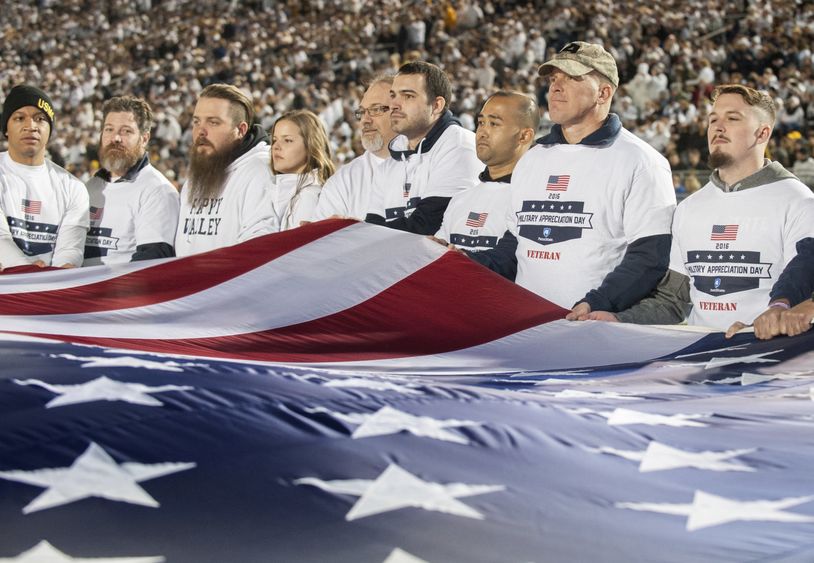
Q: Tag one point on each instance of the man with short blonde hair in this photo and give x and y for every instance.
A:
(733, 237)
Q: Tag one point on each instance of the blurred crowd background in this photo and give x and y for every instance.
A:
(318, 55)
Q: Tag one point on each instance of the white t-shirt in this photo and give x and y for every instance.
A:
(129, 212)
(734, 245)
(45, 214)
(241, 212)
(575, 209)
(476, 218)
(347, 192)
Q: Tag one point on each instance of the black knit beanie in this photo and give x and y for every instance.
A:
(23, 95)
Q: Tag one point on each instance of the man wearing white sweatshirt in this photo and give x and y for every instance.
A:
(225, 198)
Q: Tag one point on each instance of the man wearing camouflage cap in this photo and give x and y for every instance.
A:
(43, 208)
(591, 205)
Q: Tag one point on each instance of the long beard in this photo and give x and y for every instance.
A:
(207, 173)
(118, 159)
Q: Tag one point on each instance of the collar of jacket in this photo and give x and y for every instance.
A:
(768, 173)
(446, 120)
(486, 177)
(602, 136)
(130, 175)
(254, 136)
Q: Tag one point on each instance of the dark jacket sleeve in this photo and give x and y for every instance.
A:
(500, 259)
(374, 219)
(796, 282)
(153, 250)
(424, 220)
(644, 264)
(669, 303)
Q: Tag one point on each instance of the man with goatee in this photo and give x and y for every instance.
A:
(224, 200)
(733, 237)
(347, 193)
(133, 207)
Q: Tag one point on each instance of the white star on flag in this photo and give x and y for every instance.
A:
(93, 474)
(660, 457)
(723, 381)
(632, 455)
(401, 556)
(727, 349)
(372, 384)
(44, 552)
(750, 359)
(584, 410)
(621, 417)
(608, 395)
(126, 362)
(559, 381)
(753, 378)
(388, 420)
(709, 510)
(397, 488)
(103, 389)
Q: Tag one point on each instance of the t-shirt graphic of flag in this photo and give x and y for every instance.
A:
(476, 219)
(96, 213)
(558, 183)
(32, 206)
(724, 232)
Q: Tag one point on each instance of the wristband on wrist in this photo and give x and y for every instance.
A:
(779, 305)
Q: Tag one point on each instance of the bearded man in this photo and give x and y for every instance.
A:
(347, 193)
(225, 199)
(133, 207)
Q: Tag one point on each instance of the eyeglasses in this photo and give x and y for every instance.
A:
(372, 111)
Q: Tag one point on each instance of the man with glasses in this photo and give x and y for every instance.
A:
(347, 192)
(431, 159)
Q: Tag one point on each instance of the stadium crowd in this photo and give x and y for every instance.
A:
(318, 55)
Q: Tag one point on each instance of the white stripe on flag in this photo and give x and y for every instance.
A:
(265, 298)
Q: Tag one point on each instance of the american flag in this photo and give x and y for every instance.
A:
(724, 232)
(558, 183)
(32, 206)
(96, 213)
(375, 421)
(407, 186)
(476, 219)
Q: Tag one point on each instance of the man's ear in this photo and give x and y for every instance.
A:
(438, 105)
(605, 92)
(526, 136)
(763, 133)
(243, 128)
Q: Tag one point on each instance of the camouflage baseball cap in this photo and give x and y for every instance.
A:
(578, 58)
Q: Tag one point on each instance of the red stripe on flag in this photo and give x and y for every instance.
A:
(425, 313)
(172, 280)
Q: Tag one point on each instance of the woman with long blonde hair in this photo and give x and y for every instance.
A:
(301, 162)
